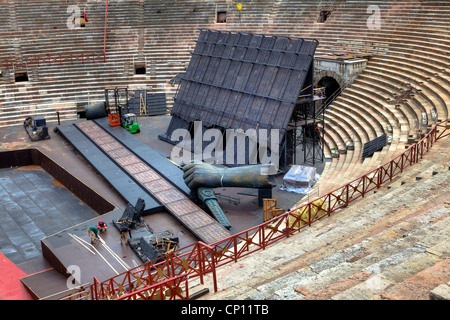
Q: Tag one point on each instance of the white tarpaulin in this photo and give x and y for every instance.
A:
(299, 179)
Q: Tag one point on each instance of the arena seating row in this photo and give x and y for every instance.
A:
(409, 51)
(404, 89)
(391, 245)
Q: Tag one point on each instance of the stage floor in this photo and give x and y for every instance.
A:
(240, 206)
(33, 206)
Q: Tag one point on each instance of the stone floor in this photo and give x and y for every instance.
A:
(34, 205)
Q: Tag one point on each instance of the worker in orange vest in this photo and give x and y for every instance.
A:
(102, 226)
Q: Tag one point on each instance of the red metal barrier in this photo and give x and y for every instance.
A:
(200, 259)
(175, 288)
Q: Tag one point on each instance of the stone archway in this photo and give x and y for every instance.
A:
(330, 84)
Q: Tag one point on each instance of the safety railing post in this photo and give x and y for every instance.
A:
(201, 260)
(213, 270)
(363, 186)
(262, 238)
(309, 212)
(287, 229)
(346, 195)
(380, 176)
(391, 165)
(235, 250)
(417, 147)
(401, 164)
(94, 290)
(329, 204)
(204, 250)
(172, 264)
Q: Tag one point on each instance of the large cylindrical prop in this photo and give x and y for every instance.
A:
(96, 111)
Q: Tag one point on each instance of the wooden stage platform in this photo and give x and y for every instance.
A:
(46, 277)
(134, 170)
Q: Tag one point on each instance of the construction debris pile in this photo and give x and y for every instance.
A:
(147, 244)
(36, 127)
(155, 246)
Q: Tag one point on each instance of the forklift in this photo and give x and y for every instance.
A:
(130, 123)
(116, 106)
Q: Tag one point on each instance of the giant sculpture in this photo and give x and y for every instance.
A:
(203, 177)
(200, 174)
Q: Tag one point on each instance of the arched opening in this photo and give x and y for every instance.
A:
(331, 86)
(139, 68)
(323, 16)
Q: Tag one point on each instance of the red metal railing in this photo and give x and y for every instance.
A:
(199, 259)
(162, 276)
(170, 289)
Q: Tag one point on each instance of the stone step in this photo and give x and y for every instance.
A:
(368, 244)
(418, 287)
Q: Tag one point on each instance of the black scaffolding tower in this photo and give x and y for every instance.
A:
(307, 128)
